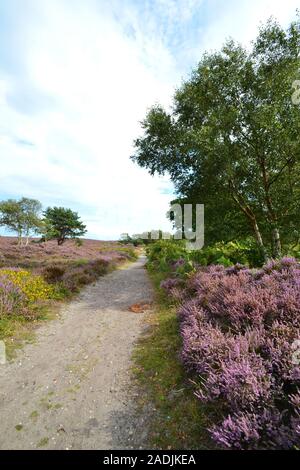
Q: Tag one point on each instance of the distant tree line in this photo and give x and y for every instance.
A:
(146, 237)
(26, 218)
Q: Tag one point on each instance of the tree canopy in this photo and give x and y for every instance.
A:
(232, 140)
(61, 223)
(21, 216)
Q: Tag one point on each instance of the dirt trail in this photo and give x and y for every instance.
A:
(69, 390)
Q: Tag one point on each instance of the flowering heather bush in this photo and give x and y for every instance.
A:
(36, 254)
(33, 287)
(67, 267)
(32, 274)
(12, 299)
(238, 328)
(77, 276)
(173, 287)
(169, 284)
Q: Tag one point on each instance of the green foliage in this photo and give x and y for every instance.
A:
(62, 223)
(243, 252)
(11, 215)
(129, 252)
(21, 216)
(293, 251)
(31, 209)
(232, 141)
(164, 252)
(172, 257)
(125, 239)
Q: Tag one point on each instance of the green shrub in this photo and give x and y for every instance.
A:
(98, 267)
(243, 252)
(54, 273)
(129, 252)
(171, 256)
(293, 251)
(163, 253)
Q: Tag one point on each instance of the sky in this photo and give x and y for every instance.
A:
(76, 79)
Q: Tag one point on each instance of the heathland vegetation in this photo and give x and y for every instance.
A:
(37, 273)
(221, 359)
(239, 348)
(231, 142)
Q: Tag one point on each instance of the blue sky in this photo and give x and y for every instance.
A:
(76, 78)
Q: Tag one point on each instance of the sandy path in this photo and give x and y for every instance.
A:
(70, 388)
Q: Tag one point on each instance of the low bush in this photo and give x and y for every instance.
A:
(293, 250)
(171, 256)
(128, 252)
(54, 272)
(244, 252)
(100, 266)
(12, 299)
(240, 328)
(33, 287)
(20, 291)
(70, 278)
(165, 254)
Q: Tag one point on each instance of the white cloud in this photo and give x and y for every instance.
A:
(240, 20)
(88, 72)
(81, 145)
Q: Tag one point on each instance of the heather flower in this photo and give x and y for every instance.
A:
(174, 288)
(264, 430)
(169, 284)
(242, 384)
(12, 299)
(238, 328)
(178, 263)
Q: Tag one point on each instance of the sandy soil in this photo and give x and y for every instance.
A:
(71, 388)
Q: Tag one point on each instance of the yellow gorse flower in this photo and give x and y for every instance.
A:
(33, 287)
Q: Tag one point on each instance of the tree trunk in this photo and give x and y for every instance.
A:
(19, 238)
(276, 243)
(259, 241)
(246, 209)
